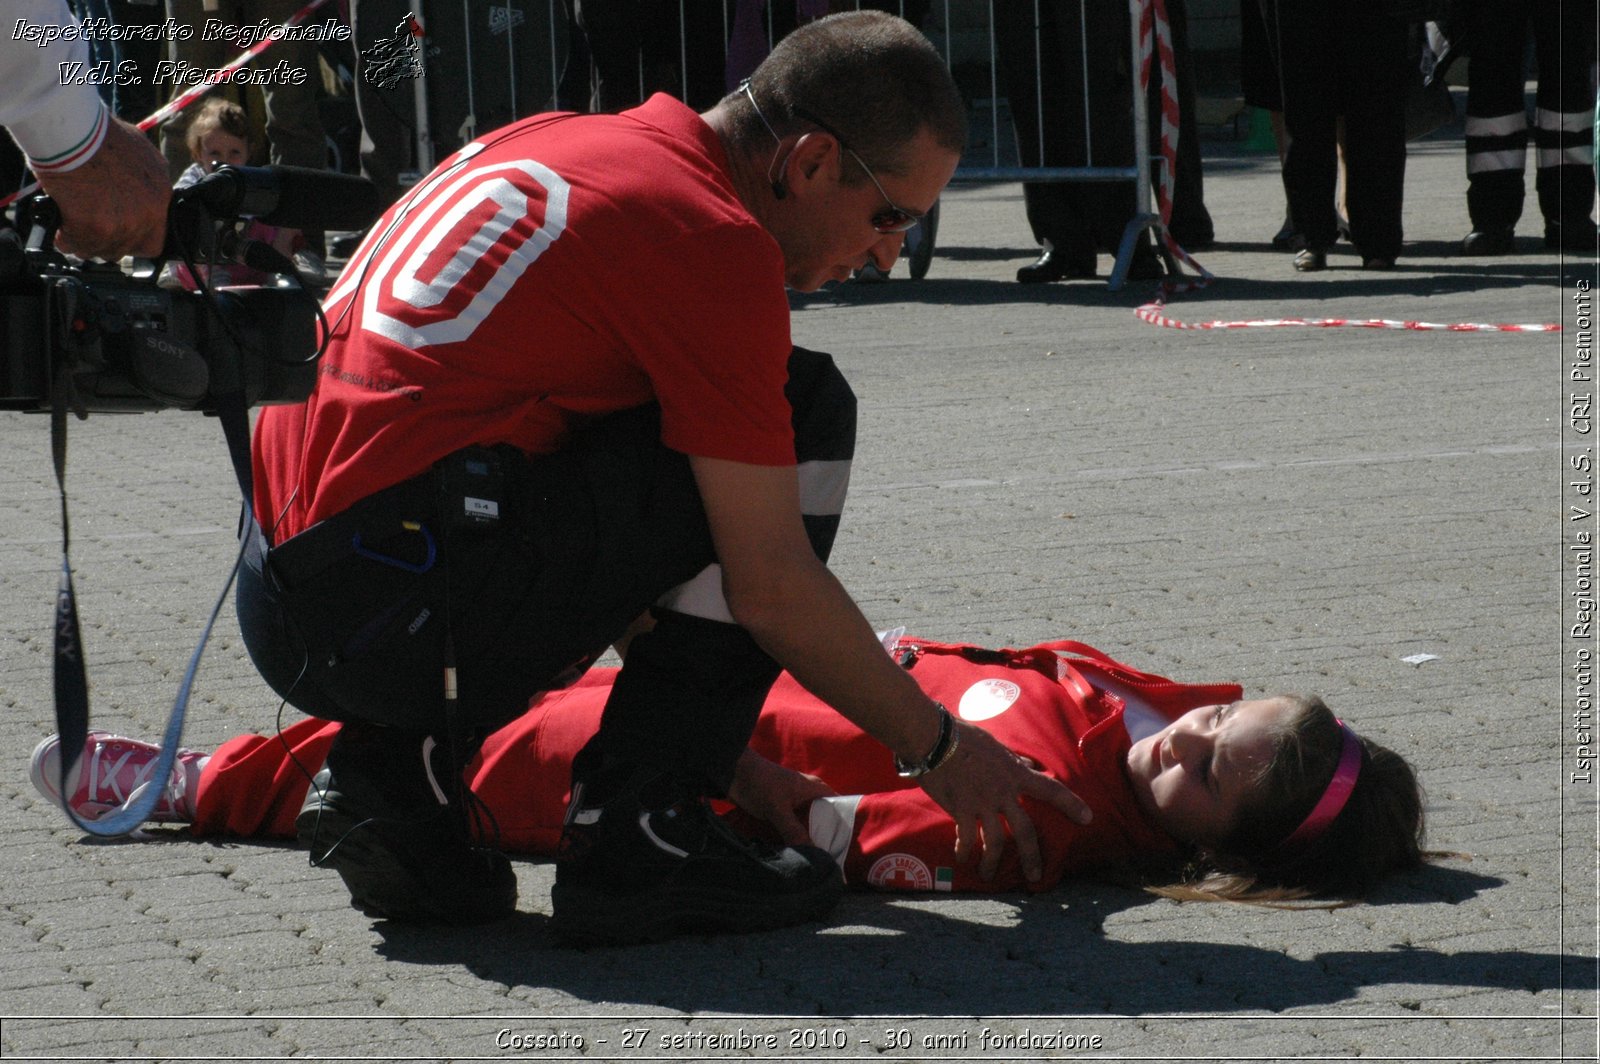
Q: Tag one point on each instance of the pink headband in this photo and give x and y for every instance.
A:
(1332, 802)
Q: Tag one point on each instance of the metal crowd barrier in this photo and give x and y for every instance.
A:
(493, 61)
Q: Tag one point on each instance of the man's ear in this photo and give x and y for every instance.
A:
(812, 156)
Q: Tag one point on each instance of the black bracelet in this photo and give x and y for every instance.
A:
(943, 747)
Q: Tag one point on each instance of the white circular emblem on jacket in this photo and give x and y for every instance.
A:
(900, 871)
(988, 698)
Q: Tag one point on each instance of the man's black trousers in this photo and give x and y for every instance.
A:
(522, 572)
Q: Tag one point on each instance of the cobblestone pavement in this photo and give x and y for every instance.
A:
(1294, 508)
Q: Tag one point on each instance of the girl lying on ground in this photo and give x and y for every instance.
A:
(1217, 796)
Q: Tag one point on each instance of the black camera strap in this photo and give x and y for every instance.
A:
(71, 681)
(277, 190)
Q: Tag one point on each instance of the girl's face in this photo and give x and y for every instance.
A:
(218, 148)
(1195, 775)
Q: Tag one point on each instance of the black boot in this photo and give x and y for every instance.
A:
(1570, 236)
(388, 814)
(1491, 240)
(650, 860)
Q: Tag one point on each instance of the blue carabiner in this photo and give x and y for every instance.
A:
(410, 567)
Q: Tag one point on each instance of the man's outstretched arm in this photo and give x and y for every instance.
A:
(798, 611)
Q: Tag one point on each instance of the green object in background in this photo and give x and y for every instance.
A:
(1260, 136)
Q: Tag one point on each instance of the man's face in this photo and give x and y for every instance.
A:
(835, 236)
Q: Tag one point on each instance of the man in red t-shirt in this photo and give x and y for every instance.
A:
(559, 390)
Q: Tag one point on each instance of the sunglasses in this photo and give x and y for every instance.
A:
(893, 219)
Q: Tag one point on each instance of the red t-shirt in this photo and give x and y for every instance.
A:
(558, 269)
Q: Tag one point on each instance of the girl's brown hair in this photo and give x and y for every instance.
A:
(1378, 832)
(218, 114)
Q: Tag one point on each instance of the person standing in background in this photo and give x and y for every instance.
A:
(1563, 35)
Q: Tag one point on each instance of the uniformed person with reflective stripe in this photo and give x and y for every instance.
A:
(1497, 122)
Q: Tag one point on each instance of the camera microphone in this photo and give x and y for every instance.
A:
(292, 196)
(254, 253)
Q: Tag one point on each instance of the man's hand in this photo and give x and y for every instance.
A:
(981, 785)
(801, 615)
(116, 203)
(770, 792)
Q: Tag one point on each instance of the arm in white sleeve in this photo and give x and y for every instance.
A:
(59, 126)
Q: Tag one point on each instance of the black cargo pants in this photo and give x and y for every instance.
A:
(521, 572)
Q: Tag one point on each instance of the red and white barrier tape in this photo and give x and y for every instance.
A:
(1152, 313)
(194, 92)
(1155, 38)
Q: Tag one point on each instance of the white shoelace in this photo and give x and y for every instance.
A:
(176, 785)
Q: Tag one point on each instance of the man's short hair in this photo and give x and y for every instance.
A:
(872, 77)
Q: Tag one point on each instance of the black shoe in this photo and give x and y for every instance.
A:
(1145, 264)
(1202, 240)
(374, 817)
(1311, 260)
(1056, 264)
(1378, 262)
(344, 245)
(1573, 236)
(654, 861)
(1489, 242)
(1288, 238)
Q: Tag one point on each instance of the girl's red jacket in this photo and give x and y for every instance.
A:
(1052, 703)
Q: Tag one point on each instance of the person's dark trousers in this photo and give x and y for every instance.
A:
(1564, 45)
(1340, 59)
(1190, 223)
(691, 688)
(134, 102)
(1073, 216)
(1497, 124)
(639, 47)
(577, 73)
(356, 618)
(1258, 73)
(387, 112)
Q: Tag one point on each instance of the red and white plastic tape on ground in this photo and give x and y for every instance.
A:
(1155, 38)
(194, 92)
(1152, 313)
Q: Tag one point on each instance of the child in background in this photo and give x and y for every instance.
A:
(1213, 796)
(220, 135)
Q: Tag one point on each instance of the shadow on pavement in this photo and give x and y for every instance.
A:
(1344, 281)
(856, 964)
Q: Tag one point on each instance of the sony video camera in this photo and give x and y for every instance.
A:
(116, 341)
